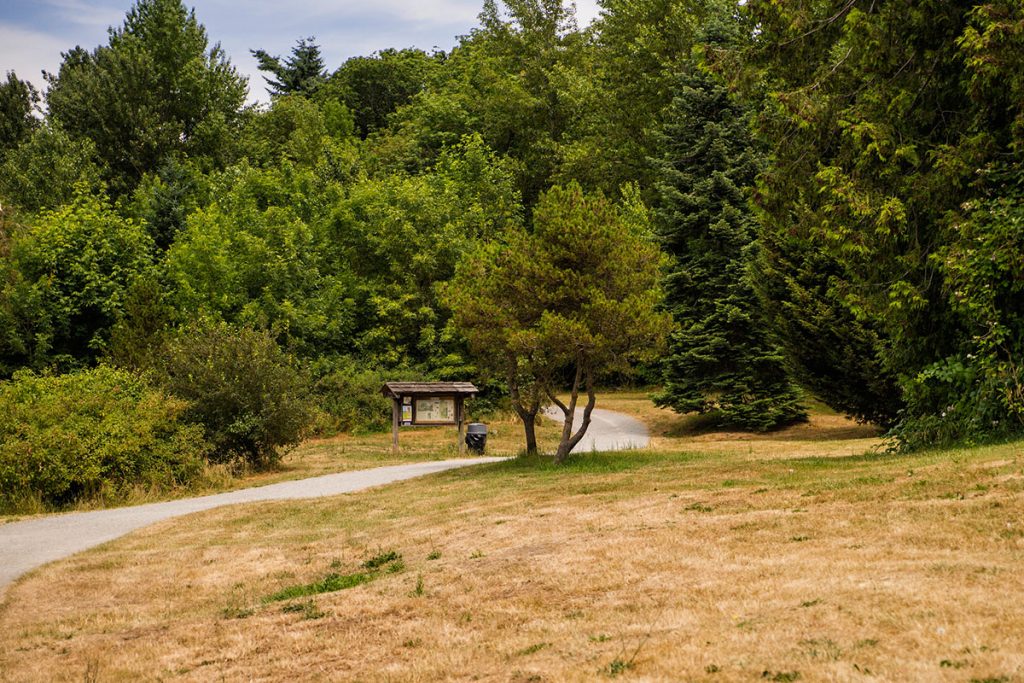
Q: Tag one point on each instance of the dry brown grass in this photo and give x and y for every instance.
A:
(702, 563)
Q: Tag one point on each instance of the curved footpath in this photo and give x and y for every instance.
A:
(34, 542)
(608, 431)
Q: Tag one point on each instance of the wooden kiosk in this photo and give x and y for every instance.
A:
(427, 404)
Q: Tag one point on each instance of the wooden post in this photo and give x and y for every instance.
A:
(458, 417)
(396, 415)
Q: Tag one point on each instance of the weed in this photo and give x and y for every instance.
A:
(477, 555)
(712, 669)
(329, 584)
(396, 567)
(307, 609)
(800, 539)
(781, 676)
(823, 648)
(237, 612)
(698, 507)
(434, 555)
(412, 642)
(953, 663)
(811, 603)
(537, 647)
(600, 638)
(381, 559)
(418, 590)
(992, 679)
(618, 666)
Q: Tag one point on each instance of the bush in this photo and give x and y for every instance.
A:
(242, 388)
(92, 434)
(348, 394)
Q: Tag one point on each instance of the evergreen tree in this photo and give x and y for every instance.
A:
(721, 360)
(300, 74)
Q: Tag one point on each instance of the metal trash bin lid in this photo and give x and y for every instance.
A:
(476, 428)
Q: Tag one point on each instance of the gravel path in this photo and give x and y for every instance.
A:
(34, 542)
(608, 430)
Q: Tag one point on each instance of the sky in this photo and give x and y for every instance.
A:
(33, 33)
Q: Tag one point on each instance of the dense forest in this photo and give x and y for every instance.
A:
(815, 199)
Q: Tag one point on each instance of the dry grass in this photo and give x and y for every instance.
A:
(716, 564)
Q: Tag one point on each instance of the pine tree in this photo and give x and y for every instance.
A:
(721, 361)
(300, 74)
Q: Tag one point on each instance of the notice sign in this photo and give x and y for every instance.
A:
(435, 410)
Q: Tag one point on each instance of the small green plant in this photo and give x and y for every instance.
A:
(536, 647)
(308, 609)
(618, 666)
(698, 507)
(237, 612)
(953, 663)
(781, 676)
(418, 590)
(477, 555)
(600, 638)
(811, 603)
(434, 555)
(712, 669)
(381, 559)
(800, 539)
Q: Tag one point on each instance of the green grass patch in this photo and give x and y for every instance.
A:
(328, 584)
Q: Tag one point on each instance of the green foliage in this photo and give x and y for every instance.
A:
(887, 119)
(373, 87)
(721, 360)
(405, 236)
(299, 74)
(164, 199)
(18, 100)
(503, 83)
(261, 254)
(67, 277)
(95, 434)
(154, 91)
(242, 388)
(43, 171)
(348, 393)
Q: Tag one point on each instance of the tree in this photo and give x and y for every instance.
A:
(300, 74)
(891, 123)
(575, 298)
(154, 92)
(373, 87)
(67, 279)
(44, 170)
(18, 100)
(721, 360)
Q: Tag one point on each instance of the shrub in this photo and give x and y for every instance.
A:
(242, 388)
(349, 397)
(91, 434)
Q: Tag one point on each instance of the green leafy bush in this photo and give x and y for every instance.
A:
(242, 388)
(349, 397)
(91, 434)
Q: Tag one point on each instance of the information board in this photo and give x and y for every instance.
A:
(435, 410)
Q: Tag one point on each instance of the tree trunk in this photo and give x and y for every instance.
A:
(529, 424)
(569, 440)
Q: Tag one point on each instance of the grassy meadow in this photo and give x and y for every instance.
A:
(808, 554)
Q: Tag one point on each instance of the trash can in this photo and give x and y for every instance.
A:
(476, 437)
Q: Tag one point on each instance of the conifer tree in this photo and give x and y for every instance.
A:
(721, 361)
(300, 74)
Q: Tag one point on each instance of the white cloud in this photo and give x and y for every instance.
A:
(29, 52)
(86, 13)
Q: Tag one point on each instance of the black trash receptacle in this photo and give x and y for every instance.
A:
(476, 437)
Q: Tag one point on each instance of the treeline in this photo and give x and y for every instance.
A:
(837, 185)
